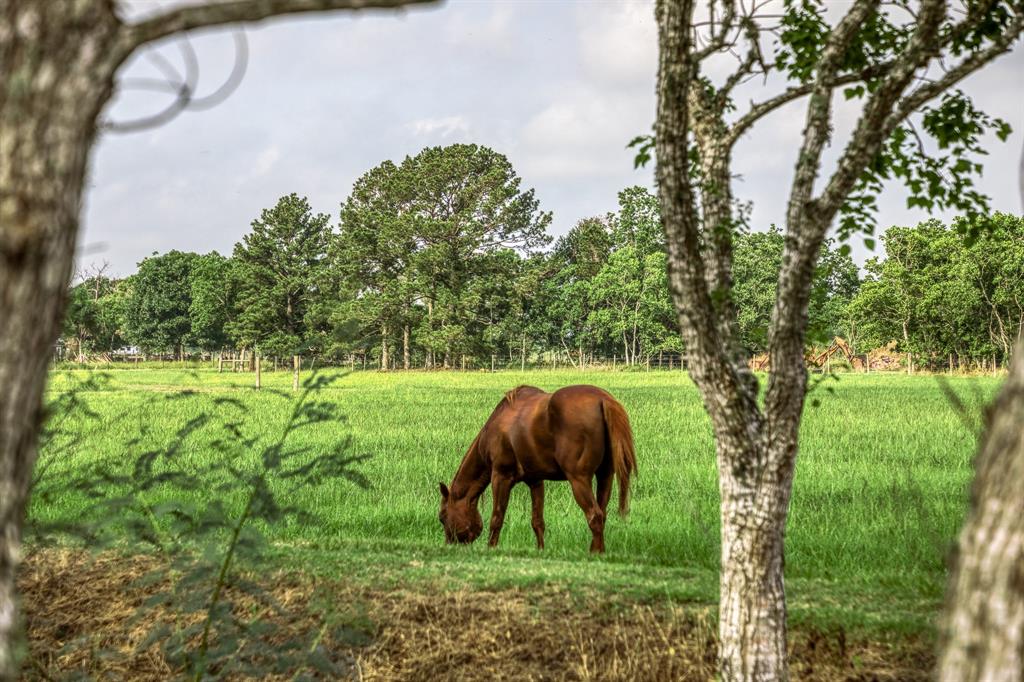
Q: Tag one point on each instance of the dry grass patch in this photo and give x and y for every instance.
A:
(81, 613)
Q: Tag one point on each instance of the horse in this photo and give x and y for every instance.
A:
(573, 434)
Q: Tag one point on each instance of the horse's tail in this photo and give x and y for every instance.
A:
(620, 438)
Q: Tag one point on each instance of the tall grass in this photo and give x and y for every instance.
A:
(879, 493)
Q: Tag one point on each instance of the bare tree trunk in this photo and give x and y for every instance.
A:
(258, 368)
(983, 636)
(430, 326)
(58, 66)
(296, 362)
(384, 348)
(405, 347)
(522, 356)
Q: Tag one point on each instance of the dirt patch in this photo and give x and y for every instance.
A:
(80, 612)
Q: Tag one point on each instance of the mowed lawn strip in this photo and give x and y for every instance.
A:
(880, 489)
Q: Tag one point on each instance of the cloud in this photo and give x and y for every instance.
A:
(438, 127)
(266, 160)
(618, 43)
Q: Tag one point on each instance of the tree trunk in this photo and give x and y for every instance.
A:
(522, 357)
(36, 248)
(58, 66)
(384, 348)
(295, 372)
(752, 606)
(258, 369)
(430, 327)
(983, 636)
(405, 347)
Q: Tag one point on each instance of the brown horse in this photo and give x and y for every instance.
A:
(574, 434)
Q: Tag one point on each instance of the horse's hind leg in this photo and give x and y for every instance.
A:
(537, 499)
(584, 494)
(604, 488)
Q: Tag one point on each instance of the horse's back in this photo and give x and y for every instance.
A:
(541, 435)
(576, 429)
(578, 407)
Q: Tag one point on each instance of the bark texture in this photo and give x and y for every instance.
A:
(57, 62)
(983, 635)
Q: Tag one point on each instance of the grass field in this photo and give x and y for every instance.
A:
(879, 494)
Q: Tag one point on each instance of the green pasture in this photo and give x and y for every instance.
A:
(879, 494)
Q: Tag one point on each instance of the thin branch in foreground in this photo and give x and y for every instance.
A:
(210, 15)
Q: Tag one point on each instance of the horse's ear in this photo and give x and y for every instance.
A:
(444, 491)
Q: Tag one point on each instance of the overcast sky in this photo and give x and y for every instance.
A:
(559, 87)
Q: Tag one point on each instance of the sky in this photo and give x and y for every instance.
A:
(558, 86)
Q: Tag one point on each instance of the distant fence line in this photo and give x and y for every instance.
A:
(239, 362)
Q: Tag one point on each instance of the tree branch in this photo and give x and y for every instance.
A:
(884, 111)
(718, 40)
(722, 389)
(785, 394)
(762, 109)
(238, 11)
(817, 127)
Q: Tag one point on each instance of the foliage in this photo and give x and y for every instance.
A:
(434, 268)
(214, 286)
(421, 243)
(207, 546)
(277, 266)
(92, 317)
(940, 291)
(156, 315)
(757, 261)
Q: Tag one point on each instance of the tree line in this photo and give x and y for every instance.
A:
(444, 260)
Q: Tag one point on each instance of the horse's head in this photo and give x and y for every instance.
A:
(460, 519)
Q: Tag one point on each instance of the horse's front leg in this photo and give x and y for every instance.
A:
(537, 498)
(500, 488)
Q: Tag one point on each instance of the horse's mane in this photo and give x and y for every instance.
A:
(465, 458)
